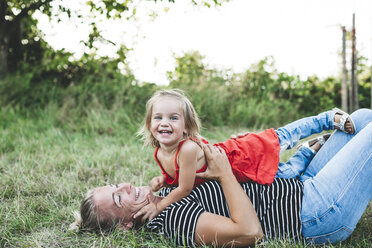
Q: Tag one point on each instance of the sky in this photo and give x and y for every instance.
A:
(303, 36)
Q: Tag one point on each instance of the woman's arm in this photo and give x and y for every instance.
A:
(243, 228)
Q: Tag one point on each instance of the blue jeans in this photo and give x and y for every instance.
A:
(290, 134)
(337, 183)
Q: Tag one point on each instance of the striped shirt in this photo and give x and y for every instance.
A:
(278, 208)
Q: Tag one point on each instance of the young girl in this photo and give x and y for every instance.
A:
(172, 126)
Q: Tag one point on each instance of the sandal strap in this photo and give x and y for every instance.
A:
(343, 120)
(345, 117)
(321, 140)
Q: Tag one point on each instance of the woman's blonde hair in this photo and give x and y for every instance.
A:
(192, 123)
(88, 219)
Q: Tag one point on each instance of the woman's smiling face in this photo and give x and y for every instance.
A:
(120, 201)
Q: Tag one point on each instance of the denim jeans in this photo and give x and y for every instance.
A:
(337, 183)
(290, 134)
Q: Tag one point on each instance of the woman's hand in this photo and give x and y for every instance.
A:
(157, 183)
(239, 135)
(218, 163)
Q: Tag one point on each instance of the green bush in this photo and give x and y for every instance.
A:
(258, 97)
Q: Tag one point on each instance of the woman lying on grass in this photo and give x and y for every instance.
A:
(323, 205)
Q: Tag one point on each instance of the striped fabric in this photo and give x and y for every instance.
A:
(278, 208)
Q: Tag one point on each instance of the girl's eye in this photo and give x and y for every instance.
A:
(174, 118)
(157, 118)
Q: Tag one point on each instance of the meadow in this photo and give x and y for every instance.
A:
(49, 159)
(68, 124)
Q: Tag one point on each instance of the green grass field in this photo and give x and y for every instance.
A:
(47, 163)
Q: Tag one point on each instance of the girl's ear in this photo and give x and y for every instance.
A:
(125, 226)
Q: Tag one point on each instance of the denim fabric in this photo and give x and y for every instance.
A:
(296, 164)
(290, 134)
(337, 183)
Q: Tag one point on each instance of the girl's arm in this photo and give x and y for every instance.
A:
(187, 164)
(243, 228)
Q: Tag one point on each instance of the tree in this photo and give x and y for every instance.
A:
(18, 26)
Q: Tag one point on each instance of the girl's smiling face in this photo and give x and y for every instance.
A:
(168, 122)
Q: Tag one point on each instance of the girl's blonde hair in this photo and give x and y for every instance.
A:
(192, 123)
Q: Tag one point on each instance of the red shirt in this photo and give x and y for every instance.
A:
(252, 157)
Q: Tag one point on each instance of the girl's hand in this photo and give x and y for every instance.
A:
(148, 212)
(157, 183)
(218, 163)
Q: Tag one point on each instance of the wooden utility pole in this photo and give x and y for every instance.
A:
(344, 72)
(354, 103)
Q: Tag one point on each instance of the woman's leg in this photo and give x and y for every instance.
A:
(290, 134)
(336, 197)
(338, 139)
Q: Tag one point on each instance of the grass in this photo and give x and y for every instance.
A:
(48, 162)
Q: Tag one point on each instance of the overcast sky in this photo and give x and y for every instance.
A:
(303, 36)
